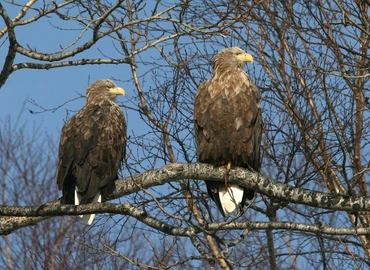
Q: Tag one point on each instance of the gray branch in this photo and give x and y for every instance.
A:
(258, 182)
(13, 45)
(71, 63)
(15, 217)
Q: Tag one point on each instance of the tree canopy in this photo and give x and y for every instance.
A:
(311, 67)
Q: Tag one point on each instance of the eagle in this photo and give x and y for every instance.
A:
(92, 147)
(228, 125)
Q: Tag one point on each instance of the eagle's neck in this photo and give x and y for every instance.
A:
(223, 71)
(229, 81)
(101, 100)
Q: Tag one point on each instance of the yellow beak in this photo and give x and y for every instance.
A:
(245, 57)
(117, 91)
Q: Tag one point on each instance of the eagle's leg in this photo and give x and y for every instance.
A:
(228, 167)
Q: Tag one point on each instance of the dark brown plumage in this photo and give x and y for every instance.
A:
(92, 147)
(228, 123)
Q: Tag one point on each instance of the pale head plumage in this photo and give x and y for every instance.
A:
(231, 57)
(103, 89)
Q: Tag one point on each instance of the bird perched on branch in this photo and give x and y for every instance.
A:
(228, 125)
(92, 147)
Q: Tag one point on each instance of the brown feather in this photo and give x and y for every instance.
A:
(92, 145)
(228, 121)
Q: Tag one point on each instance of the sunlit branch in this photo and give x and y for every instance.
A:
(71, 63)
(39, 213)
(178, 171)
(13, 45)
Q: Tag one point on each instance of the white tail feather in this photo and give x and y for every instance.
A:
(87, 219)
(230, 198)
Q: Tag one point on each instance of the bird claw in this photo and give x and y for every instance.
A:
(228, 167)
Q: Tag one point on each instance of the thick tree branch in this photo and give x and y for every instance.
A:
(178, 171)
(7, 67)
(71, 63)
(242, 177)
(20, 15)
(39, 213)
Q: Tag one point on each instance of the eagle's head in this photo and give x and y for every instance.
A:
(103, 89)
(231, 57)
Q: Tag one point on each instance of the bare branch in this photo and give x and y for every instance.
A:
(178, 171)
(13, 45)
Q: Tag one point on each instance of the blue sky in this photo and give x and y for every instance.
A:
(51, 88)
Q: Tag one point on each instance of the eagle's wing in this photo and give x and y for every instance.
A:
(91, 149)
(228, 129)
(204, 136)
